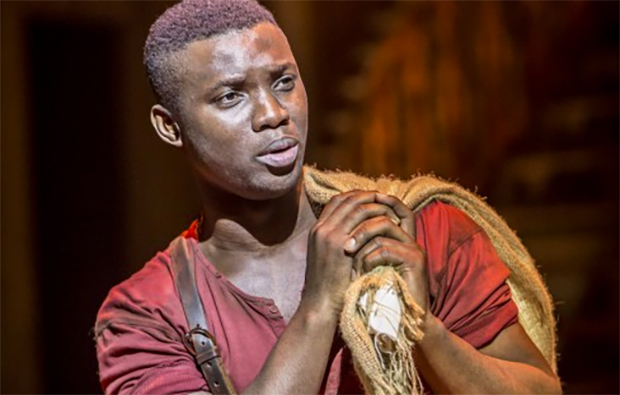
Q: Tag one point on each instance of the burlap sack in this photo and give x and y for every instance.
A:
(528, 289)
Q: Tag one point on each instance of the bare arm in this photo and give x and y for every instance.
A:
(297, 363)
(509, 364)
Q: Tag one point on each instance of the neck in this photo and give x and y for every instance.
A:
(235, 224)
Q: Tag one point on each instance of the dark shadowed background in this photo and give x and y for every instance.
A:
(518, 100)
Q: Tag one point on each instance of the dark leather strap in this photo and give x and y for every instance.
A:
(198, 340)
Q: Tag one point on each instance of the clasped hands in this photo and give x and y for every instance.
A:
(356, 232)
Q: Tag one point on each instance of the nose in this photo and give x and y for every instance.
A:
(268, 113)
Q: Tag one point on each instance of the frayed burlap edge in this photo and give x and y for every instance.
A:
(385, 374)
(528, 288)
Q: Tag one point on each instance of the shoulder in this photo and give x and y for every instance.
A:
(147, 298)
(445, 224)
(455, 246)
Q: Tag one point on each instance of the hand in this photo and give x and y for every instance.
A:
(381, 241)
(329, 267)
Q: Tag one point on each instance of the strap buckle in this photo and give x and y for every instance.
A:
(188, 340)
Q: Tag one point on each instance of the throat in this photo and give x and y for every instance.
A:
(239, 248)
(237, 224)
(273, 273)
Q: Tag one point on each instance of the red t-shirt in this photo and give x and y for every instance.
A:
(141, 323)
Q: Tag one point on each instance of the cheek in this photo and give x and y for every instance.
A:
(299, 111)
(213, 131)
(213, 147)
(219, 144)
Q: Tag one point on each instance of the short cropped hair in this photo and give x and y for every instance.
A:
(186, 22)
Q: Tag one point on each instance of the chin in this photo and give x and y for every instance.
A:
(273, 184)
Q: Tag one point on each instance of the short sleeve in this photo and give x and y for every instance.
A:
(138, 337)
(477, 303)
(467, 277)
(137, 359)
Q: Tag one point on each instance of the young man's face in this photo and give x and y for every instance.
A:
(243, 112)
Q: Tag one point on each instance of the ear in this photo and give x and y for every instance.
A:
(165, 126)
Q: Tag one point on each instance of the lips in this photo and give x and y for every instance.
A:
(280, 153)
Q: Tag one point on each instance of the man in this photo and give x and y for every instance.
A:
(271, 275)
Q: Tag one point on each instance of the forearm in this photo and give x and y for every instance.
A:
(297, 363)
(451, 365)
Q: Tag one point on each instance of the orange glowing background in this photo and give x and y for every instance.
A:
(518, 100)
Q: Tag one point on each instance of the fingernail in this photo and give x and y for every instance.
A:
(396, 220)
(350, 244)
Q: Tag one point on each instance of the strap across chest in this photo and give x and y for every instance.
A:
(199, 341)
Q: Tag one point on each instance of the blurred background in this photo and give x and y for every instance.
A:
(516, 100)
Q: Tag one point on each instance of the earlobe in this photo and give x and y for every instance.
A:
(165, 126)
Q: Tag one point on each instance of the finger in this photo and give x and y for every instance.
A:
(372, 245)
(409, 262)
(371, 228)
(348, 204)
(388, 253)
(363, 212)
(393, 253)
(406, 215)
(334, 202)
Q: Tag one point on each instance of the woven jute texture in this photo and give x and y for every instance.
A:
(528, 288)
(383, 373)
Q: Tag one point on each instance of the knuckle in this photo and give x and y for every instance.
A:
(419, 255)
(368, 264)
(320, 232)
(342, 196)
(385, 220)
(361, 232)
(358, 210)
(373, 206)
(388, 198)
(383, 209)
(330, 244)
(335, 199)
(350, 199)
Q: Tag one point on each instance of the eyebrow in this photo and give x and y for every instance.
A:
(232, 81)
(283, 67)
(238, 80)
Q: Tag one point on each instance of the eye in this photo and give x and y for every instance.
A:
(286, 83)
(228, 99)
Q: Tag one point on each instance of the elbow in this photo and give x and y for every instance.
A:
(556, 385)
(551, 385)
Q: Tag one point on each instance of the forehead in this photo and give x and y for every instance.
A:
(237, 52)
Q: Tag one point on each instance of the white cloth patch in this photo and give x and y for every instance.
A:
(383, 313)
